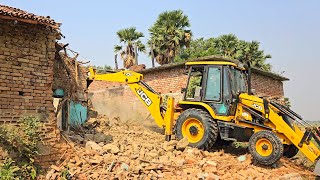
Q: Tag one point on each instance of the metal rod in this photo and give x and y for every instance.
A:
(249, 79)
(148, 87)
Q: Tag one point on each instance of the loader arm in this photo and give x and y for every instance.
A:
(150, 98)
(289, 135)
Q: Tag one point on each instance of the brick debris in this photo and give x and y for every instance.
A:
(132, 151)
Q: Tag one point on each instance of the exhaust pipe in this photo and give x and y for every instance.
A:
(249, 78)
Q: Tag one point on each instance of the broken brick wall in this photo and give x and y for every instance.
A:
(64, 77)
(116, 99)
(26, 73)
(61, 78)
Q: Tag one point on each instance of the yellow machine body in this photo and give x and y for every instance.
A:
(246, 106)
(277, 125)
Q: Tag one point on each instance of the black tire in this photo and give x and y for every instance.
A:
(209, 124)
(290, 150)
(270, 137)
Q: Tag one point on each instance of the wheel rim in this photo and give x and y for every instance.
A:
(264, 147)
(193, 129)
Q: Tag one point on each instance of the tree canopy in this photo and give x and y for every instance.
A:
(102, 69)
(227, 46)
(168, 35)
(130, 43)
(170, 41)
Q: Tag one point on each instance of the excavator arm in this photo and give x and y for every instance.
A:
(163, 116)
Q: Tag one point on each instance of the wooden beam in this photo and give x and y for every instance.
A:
(76, 69)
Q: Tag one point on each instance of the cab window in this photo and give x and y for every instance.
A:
(238, 81)
(213, 86)
(195, 84)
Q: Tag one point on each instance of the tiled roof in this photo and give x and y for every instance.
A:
(7, 12)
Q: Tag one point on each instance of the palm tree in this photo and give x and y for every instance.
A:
(116, 61)
(249, 51)
(130, 45)
(152, 53)
(199, 48)
(168, 35)
(227, 45)
(230, 46)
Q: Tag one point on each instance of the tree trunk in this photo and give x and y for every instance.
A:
(171, 59)
(136, 53)
(152, 55)
(116, 61)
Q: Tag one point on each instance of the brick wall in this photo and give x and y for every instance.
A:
(267, 86)
(115, 99)
(167, 81)
(55, 154)
(60, 76)
(26, 74)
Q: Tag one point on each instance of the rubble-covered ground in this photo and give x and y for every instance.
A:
(109, 149)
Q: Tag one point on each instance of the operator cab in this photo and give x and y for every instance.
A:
(217, 84)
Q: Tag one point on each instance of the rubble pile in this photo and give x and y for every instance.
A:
(109, 149)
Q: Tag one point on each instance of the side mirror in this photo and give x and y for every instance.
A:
(183, 90)
(253, 91)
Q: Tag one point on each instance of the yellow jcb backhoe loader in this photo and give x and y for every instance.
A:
(219, 107)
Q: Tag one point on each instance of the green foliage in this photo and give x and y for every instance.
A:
(21, 141)
(8, 170)
(129, 39)
(240, 145)
(27, 170)
(198, 48)
(65, 174)
(195, 81)
(168, 35)
(227, 46)
(164, 100)
(287, 102)
(103, 69)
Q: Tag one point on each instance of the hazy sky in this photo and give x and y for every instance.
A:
(288, 30)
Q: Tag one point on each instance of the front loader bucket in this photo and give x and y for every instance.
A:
(317, 168)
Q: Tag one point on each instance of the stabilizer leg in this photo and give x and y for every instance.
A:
(168, 118)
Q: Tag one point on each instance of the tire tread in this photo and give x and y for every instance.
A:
(207, 121)
(276, 143)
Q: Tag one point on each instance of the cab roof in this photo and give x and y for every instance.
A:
(215, 60)
(210, 63)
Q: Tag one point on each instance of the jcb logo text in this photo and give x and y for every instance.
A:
(144, 97)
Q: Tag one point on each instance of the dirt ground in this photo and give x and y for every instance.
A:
(110, 149)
